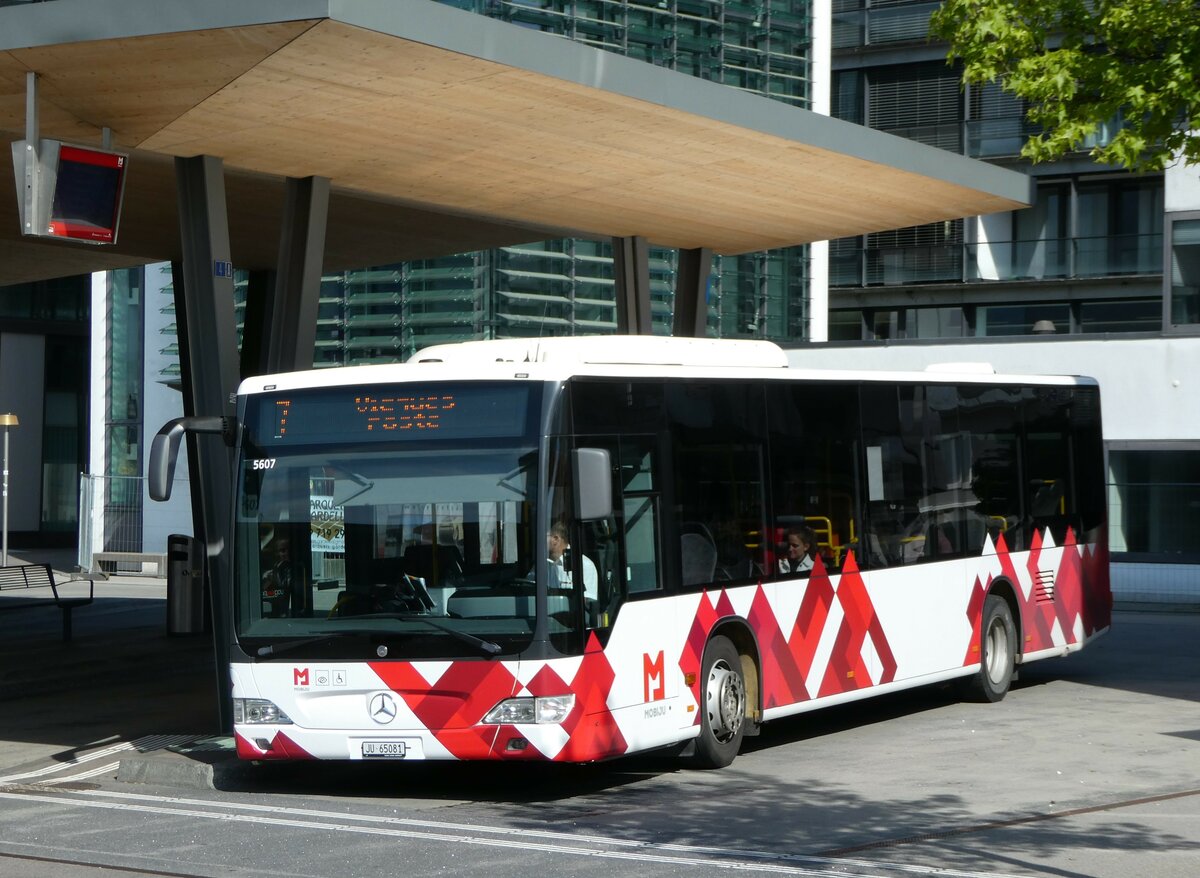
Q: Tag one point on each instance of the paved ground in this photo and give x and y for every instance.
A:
(1091, 767)
(124, 677)
(120, 677)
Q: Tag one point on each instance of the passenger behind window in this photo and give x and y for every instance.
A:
(284, 590)
(799, 543)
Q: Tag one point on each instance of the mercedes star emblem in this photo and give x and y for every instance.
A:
(382, 708)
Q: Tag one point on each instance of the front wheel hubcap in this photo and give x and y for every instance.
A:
(726, 702)
(998, 657)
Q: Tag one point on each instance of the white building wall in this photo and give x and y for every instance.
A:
(1182, 187)
(821, 71)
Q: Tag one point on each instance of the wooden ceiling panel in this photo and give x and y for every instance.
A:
(137, 86)
(432, 151)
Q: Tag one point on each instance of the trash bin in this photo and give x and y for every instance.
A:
(185, 585)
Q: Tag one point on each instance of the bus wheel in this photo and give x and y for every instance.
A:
(723, 717)
(997, 652)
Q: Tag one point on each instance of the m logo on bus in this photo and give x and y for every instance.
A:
(653, 678)
(300, 676)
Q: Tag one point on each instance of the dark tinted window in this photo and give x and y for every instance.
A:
(814, 453)
(941, 471)
(718, 439)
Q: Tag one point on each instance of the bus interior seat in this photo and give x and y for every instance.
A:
(699, 558)
(1047, 497)
(876, 556)
(443, 567)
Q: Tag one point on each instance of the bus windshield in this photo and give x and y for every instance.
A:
(405, 546)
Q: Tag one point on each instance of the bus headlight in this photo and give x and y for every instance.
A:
(525, 711)
(258, 711)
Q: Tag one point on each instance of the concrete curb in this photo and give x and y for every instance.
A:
(172, 771)
(203, 763)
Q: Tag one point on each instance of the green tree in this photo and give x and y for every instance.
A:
(1081, 63)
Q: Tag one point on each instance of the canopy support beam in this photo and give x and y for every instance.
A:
(631, 271)
(691, 293)
(203, 286)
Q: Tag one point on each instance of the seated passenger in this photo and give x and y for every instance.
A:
(798, 550)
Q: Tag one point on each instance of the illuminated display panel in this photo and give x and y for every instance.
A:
(87, 195)
(394, 413)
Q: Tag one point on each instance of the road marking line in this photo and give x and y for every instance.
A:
(552, 842)
(143, 745)
(110, 768)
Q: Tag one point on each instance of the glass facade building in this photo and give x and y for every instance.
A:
(1090, 249)
(565, 287)
(44, 330)
(1100, 252)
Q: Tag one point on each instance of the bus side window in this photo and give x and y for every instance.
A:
(896, 454)
(1051, 496)
(718, 433)
(814, 469)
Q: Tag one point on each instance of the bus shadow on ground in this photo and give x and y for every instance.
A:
(731, 814)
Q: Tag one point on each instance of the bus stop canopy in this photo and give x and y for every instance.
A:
(441, 131)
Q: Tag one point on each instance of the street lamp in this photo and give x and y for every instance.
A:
(6, 421)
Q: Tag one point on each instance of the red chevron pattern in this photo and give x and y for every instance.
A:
(833, 642)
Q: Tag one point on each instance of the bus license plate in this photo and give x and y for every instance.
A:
(384, 749)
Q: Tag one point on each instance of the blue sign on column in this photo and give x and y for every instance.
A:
(222, 268)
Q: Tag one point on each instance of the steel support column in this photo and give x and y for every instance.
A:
(209, 366)
(691, 293)
(256, 322)
(631, 270)
(292, 336)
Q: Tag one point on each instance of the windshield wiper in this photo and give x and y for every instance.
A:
(485, 646)
(288, 645)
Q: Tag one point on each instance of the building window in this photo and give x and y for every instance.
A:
(922, 102)
(1119, 227)
(1076, 228)
(859, 23)
(996, 127)
(1120, 315)
(1154, 503)
(65, 299)
(1183, 292)
(63, 432)
(995, 320)
(845, 325)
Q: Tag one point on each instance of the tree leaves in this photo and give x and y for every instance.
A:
(1080, 64)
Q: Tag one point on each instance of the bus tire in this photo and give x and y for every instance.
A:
(997, 652)
(723, 706)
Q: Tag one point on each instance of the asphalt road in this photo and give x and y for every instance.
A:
(1090, 767)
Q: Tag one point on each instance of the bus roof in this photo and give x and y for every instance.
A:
(559, 358)
(640, 350)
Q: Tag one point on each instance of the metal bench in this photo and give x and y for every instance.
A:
(26, 577)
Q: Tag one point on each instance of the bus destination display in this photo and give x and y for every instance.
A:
(394, 414)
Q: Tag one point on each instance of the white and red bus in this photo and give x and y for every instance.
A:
(570, 549)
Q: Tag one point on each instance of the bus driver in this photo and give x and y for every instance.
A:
(557, 547)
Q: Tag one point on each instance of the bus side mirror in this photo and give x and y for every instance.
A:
(164, 450)
(592, 469)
